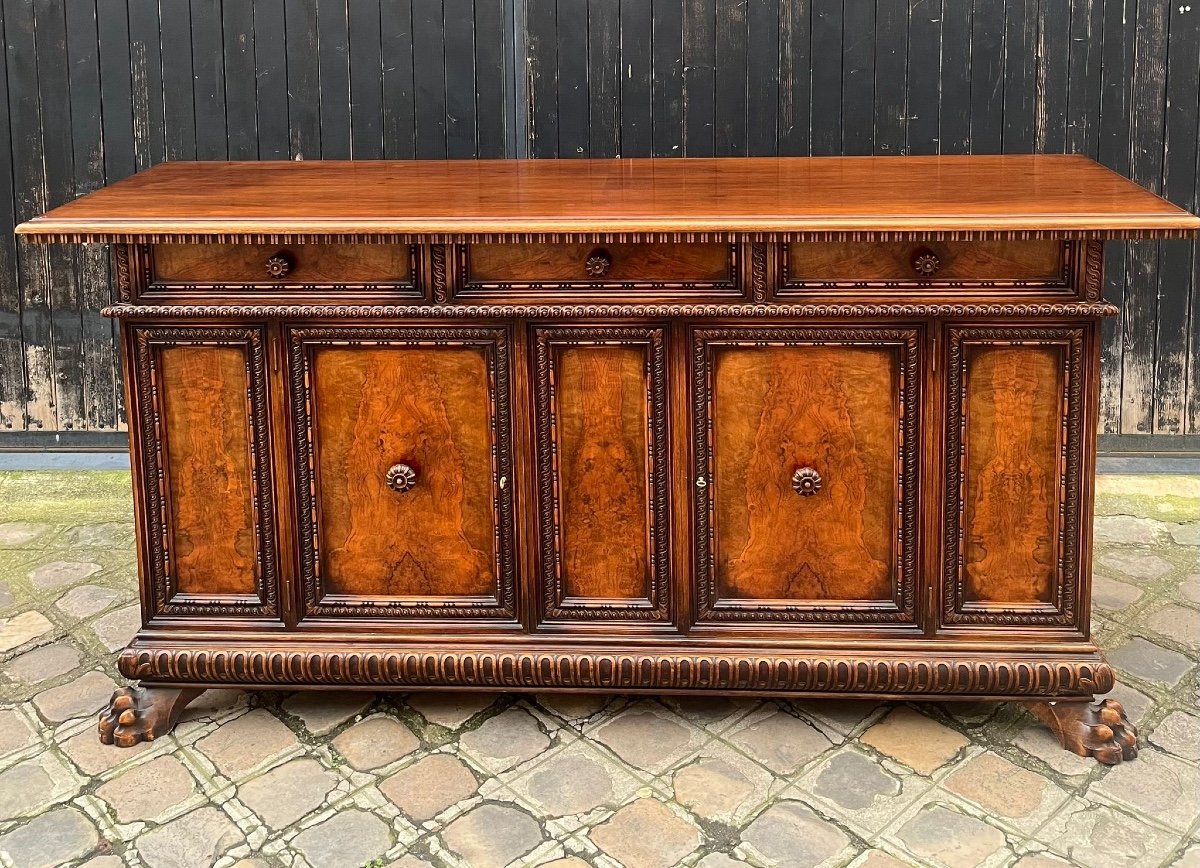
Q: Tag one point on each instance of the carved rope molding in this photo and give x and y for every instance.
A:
(882, 310)
(554, 592)
(798, 673)
(495, 341)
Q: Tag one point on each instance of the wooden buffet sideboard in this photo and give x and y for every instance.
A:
(791, 426)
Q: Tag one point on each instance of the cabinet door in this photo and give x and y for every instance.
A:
(806, 444)
(1014, 449)
(602, 473)
(203, 465)
(404, 471)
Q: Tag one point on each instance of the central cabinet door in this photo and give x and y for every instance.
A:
(404, 471)
(806, 443)
(603, 473)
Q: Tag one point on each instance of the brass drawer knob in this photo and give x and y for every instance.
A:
(279, 265)
(806, 482)
(401, 478)
(598, 263)
(925, 262)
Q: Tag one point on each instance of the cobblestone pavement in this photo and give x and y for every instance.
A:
(353, 779)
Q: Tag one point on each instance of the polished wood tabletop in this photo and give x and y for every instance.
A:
(1013, 193)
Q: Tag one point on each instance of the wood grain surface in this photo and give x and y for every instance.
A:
(1011, 488)
(564, 263)
(427, 407)
(780, 408)
(848, 262)
(310, 263)
(761, 194)
(205, 420)
(602, 422)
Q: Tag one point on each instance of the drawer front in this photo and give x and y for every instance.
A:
(806, 444)
(1015, 447)
(814, 266)
(203, 464)
(598, 271)
(603, 473)
(404, 471)
(386, 267)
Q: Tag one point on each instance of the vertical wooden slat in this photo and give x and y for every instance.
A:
(730, 112)
(302, 76)
(29, 183)
(924, 81)
(1053, 56)
(1175, 259)
(1085, 48)
(399, 125)
(491, 75)
(541, 65)
(12, 362)
(795, 78)
(826, 56)
(175, 36)
(987, 78)
(699, 77)
(762, 77)
(241, 98)
(634, 68)
(1113, 150)
(208, 80)
(601, 90)
(333, 53)
(666, 79)
(858, 76)
(365, 44)
(1141, 262)
(571, 59)
(460, 79)
(96, 352)
(429, 79)
(891, 73)
(1020, 75)
(954, 122)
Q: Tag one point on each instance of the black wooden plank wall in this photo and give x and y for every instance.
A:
(92, 90)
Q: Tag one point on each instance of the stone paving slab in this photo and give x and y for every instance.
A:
(471, 780)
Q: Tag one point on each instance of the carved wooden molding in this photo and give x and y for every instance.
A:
(899, 310)
(384, 237)
(466, 288)
(907, 342)
(554, 603)
(165, 599)
(1093, 271)
(1063, 611)
(977, 674)
(926, 279)
(495, 342)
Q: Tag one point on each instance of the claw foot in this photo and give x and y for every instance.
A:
(1098, 729)
(137, 714)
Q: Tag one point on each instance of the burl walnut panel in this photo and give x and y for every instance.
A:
(807, 509)
(508, 268)
(602, 456)
(294, 265)
(1015, 443)
(200, 394)
(408, 472)
(207, 436)
(973, 263)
